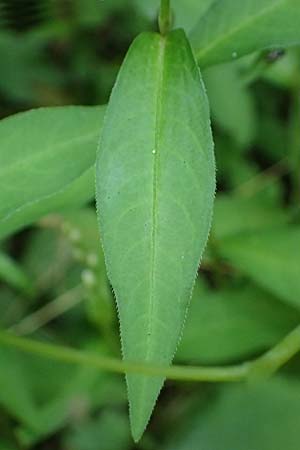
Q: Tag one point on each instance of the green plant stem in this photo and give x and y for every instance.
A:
(165, 18)
(68, 355)
(263, 366)
(277, 356)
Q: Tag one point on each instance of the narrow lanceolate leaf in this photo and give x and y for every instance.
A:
(232, 28)
(45, 156)
(155, 190)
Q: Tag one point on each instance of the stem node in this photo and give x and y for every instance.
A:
(165, 17)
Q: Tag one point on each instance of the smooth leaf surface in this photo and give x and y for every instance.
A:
(155, 190)
(231, 29)
(271, 258)
(45, 153)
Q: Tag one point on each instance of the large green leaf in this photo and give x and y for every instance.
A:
(231, 29)
(260, 416)
(155, 190)
(45, 156)
(270, 257)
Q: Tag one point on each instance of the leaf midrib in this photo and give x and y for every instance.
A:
(200, 54)
(155, 179)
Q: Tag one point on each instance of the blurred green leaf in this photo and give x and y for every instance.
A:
(75, 195)
(271, 258)
(231, 323)
(14, 395)
(42, 152)
(47, 257)
(150, 9)
(231, 29)
(69, 394)
(232, 105)
(235, 214)
(110, 428)
(188, 12)
(249, 417)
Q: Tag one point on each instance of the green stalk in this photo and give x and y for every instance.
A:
(263, 366)
(276, 357)
(72, 356)
(165, 18)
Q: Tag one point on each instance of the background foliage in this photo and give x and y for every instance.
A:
(53, 280)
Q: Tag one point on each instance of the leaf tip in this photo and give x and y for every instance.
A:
(142, 393)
